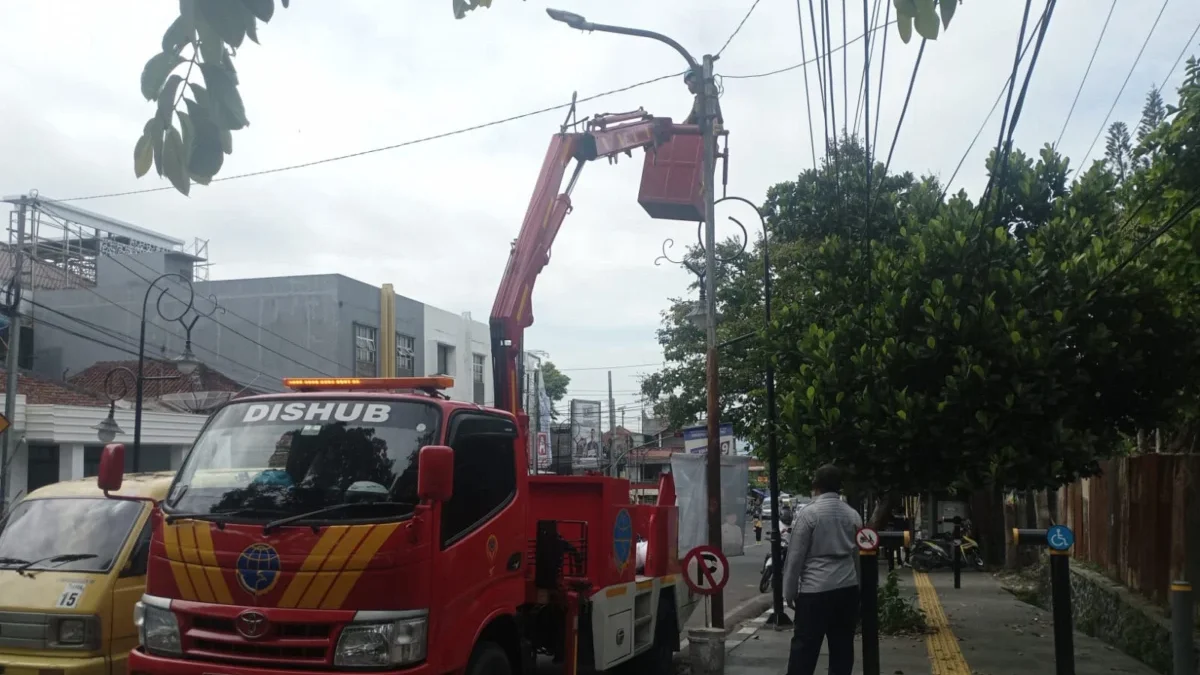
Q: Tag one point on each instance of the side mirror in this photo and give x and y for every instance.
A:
(112, 467)
(435, 473)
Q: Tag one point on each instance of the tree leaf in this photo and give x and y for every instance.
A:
(187, 131)
(166, 99)
(207, 154)
(251, 28)
(227, 141)
(143, 155)
(905, 11)
(926, 19)
(181, 32)
(284, 3)
(154, 130)
(228, 19)
(901, 414)
(175, 161)
(155, 73)
(225, 97)
(262, 9)
(212, 48)
(947, 8)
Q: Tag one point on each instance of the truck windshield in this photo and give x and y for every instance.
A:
(77, 534)
(271, 459)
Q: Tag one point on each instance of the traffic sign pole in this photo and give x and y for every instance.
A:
(868, 558)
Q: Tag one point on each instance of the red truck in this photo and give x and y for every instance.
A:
(373, 524)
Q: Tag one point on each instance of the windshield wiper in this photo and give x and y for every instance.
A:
(59, 559)
(274, 524)
(219, 517)
(6, 560)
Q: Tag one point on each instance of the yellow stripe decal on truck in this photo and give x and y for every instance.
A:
(204, 542)
(299, 584)
(187, 546)
(175, 560)
(362, 557)
(333, 564)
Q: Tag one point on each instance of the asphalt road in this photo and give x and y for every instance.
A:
(744, 574)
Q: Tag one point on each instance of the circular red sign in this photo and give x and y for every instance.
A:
(705, 570)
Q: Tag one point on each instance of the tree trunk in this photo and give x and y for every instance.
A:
(1044, 519)
(987, 513)
(881, 515)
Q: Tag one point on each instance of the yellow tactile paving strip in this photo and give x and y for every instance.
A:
(945, 656)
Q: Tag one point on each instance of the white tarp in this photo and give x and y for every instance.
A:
(691, 491)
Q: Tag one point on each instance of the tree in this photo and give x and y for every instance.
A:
(1118, 149)
(1153, 114)
(203, 40)
(556, 384)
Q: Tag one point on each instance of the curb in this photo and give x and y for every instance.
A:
(735, 635)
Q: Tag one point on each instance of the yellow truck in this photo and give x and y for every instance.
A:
(72, 567)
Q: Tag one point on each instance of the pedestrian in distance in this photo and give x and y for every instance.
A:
(758, 530)
(821, 578)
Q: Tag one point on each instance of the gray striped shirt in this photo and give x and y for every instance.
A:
(823, 555)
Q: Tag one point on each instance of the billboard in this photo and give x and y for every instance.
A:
(695, 440)
(691, 485)
(585, 434)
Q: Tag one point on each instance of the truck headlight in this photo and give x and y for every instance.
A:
(393, 643)
(158, 631)
(75, 632)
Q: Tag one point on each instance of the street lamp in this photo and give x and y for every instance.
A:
(108, 429)
(186, 364)
(705, 111)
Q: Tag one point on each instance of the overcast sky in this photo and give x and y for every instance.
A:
(333, 78)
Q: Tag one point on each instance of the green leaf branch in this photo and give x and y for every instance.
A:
(191, 131)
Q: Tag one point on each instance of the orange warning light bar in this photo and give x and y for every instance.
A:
(366, 383)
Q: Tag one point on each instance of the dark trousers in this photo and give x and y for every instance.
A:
(833, 616)
(758, 534)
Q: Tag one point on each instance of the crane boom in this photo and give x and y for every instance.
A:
(512, 312)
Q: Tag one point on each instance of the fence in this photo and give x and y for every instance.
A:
(1139, 521)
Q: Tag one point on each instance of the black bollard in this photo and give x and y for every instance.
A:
(1181, 628)
(869, 604)
(958, 561)
(1060, 590)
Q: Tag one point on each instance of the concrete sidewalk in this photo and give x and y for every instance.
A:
(979, 629)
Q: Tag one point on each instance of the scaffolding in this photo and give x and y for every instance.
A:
(64, 241)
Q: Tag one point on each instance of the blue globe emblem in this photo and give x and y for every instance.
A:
(622, 538)
(258, 569)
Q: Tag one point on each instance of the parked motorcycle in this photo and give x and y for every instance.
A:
(927, 555)
(764, 584)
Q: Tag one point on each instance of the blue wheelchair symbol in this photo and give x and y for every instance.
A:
(1060, 538)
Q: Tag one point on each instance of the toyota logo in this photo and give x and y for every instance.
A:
(251, 624)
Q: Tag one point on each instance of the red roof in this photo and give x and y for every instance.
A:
(40, 391)
(93, 378)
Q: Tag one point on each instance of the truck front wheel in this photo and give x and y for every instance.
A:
(489, 658)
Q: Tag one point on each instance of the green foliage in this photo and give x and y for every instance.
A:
(926, 16)
(942, 344)
(898, 614)
(204, 38)
(1117, 150)
(206, 35)
(556, 381)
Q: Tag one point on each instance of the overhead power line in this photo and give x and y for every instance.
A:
(1179, 58)
(1086, 71)
(1136, 60)
(816, 59)
(739, 27)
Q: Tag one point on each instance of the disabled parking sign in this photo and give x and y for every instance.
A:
(1060, 538)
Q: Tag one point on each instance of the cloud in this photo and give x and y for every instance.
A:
(335, 78)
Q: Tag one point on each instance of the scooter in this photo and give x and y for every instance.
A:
(927, 555)
(764, 583)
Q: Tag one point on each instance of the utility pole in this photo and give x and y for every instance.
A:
(708, 98)
(612, 429)
(13, 360)
(537, 419)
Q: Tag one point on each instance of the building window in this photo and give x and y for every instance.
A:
(406, 350)
(42, 468)
(478, 361)
(445, 360)
(365, 351)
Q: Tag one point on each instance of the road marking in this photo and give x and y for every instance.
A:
(945, 656)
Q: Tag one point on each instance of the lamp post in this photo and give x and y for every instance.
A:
(705, 111)
(186, 363)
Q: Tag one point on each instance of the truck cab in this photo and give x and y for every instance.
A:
(372, 524)
(72, 568)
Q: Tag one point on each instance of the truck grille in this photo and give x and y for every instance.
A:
(23, 630)
(285, 643)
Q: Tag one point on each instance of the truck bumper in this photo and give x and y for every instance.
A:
(12, 664)
(141, 663)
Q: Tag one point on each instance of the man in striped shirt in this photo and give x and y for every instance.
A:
(820, 578)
